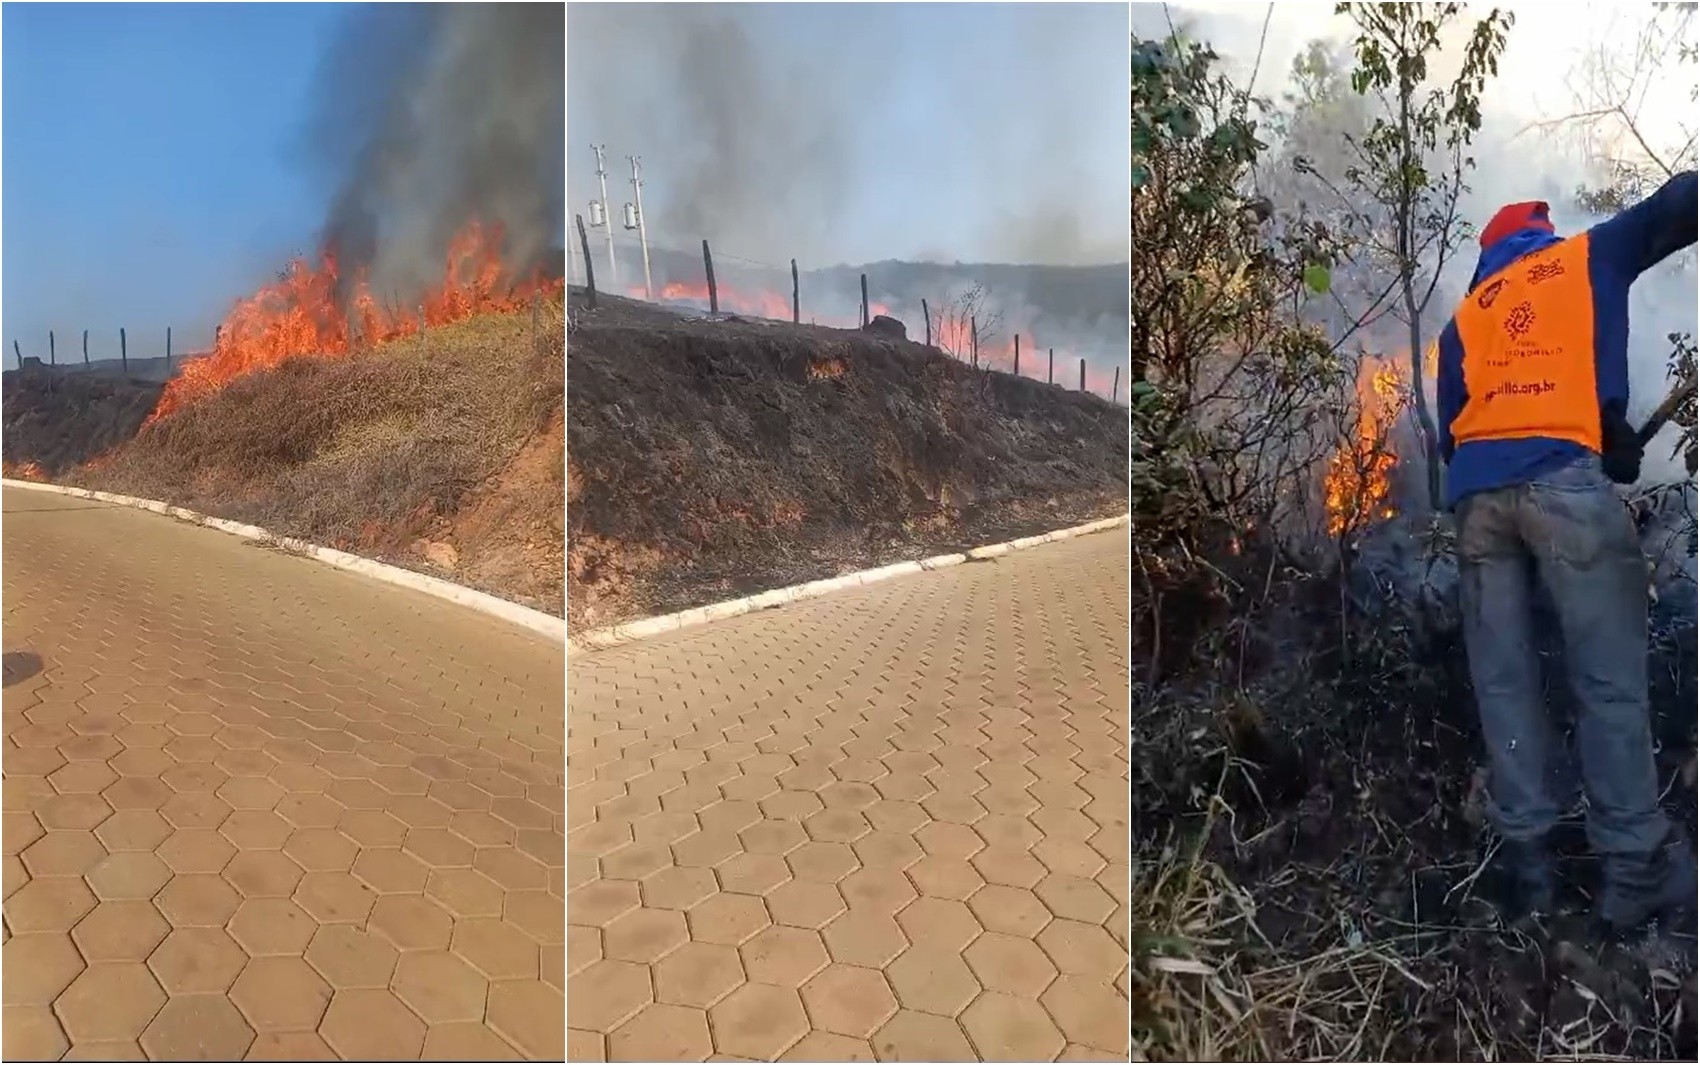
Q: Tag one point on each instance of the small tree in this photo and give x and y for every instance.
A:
(964, 321)
(1233, 391)
(1412, 163)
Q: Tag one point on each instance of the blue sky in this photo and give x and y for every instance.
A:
(155, 165)
(941, 131)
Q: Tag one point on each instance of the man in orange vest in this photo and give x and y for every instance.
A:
(1532, 391)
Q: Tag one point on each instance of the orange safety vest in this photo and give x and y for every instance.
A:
(1528, 340)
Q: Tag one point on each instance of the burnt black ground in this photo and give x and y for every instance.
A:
(712, 458)
(61, 418)
(1348, 756)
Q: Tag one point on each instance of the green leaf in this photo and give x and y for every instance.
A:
(1317, 278)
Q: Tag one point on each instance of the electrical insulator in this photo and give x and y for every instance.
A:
(631, 216)
(598, 216)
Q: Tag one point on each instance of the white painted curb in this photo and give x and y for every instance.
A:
(631, 631)
(537, 621)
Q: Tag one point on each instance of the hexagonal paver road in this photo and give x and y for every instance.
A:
(258, 807)
(888, 824)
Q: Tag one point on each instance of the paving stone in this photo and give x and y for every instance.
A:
(206, 840)
(888, 817)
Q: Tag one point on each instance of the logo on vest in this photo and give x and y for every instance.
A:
(1489, 294)
(1544, 272)
(1520, 320)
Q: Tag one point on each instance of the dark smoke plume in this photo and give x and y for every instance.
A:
(435, 114)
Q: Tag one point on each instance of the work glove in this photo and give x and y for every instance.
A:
(1620, 445)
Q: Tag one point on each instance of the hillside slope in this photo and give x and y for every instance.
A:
(440, 452)
(711, 458)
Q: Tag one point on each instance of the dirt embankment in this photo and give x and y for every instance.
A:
(713, 458)
(440, 452)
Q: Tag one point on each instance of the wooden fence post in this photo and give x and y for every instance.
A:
(168, 353)
(85, 347)
(589, 270)
(1115, 384)
(796, 296)
(1083, 375)
(973, 341)
(713, 289)
(1018, 354)
(52, 356)
(927, 316)
(1051, 367)
(864, 301)
(123, 351)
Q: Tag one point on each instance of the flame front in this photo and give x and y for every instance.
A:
(302, 315)
(756, 303)
(24, 471)
(951, 333)
(1357, 486)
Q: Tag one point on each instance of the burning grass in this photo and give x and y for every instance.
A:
(386, 452)
(754, 302)
(315, 312)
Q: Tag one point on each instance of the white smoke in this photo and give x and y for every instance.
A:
(1546, 72)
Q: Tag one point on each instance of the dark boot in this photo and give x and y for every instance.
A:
(1526, 879)
(1635, 889)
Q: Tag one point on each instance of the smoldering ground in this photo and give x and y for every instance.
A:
(432, 115)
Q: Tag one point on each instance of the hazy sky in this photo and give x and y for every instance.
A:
(1537, 75)
(154, 170)
(853, 133)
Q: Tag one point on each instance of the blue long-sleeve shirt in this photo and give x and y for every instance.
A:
(1620, 250)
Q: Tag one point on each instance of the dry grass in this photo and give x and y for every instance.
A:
(1208, 987)
(371, 452)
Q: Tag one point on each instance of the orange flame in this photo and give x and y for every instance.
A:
(23, 471)
(1357, 485)
(826, 369)
(951, 333)
(301, 315)
(756, 303)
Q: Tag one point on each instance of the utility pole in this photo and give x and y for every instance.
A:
(643, 235)
(606, 222)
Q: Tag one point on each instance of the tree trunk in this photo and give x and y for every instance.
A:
(1425, 420)
(1407, 290)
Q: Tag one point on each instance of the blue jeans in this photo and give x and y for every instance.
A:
(1569, 530)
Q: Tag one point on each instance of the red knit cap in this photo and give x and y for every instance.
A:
(1515, 216)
